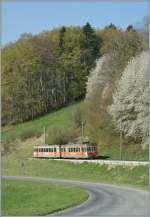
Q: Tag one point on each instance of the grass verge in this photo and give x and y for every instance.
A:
(25, 198)
(118, 175)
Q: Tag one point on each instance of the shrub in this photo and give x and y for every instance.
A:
(63, 137)
(30, 133)
(8, 145)
(78, 117)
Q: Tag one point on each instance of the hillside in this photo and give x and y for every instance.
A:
(12, 162)
(64, 119)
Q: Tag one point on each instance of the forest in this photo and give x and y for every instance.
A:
(44, 72)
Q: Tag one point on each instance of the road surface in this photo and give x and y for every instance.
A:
(104, 200)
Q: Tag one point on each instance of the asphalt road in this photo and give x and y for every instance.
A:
(104, 200)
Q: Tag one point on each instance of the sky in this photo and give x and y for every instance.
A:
(38, 16)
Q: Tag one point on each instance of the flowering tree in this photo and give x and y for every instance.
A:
(130, 99)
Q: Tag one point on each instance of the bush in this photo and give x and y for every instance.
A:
(30, 134)
(78, 117)
(63, 137)
(8, 145)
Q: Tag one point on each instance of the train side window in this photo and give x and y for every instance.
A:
(83, 149)
(54, 149)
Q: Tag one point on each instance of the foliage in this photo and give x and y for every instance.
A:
(9, 145)
(78, 116)
(62, 119)
(62, 137)
(111, 26)
(118, 48)
(130, 100)
(44, 72)
(29, 133)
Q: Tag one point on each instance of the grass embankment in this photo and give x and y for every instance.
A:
(21, 198)
(118, 175)
(63, 119)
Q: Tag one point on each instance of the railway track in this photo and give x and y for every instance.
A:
(101, 162)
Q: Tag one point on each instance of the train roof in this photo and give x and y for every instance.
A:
(68, 144)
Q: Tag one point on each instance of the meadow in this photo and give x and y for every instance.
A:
(25, 198)
(63, 119)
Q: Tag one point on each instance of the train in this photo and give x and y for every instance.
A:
(80, 151)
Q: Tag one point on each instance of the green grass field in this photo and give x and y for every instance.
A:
(64, 119)
(24, 198)
(118, 175)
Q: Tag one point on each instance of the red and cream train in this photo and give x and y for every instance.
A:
(83, 150)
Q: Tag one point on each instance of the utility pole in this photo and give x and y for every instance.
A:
(44, 135)
(121, 131)
(82, 130)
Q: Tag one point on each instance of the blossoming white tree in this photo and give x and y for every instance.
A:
(130, 100)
